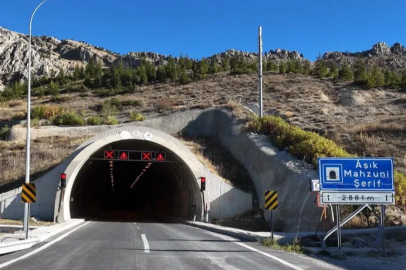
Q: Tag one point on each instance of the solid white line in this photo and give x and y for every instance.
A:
(41, 248)
(145, 241)
(270, 256)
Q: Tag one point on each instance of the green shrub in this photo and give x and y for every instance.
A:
(68, 119)
(111, 120)
(20, 116)
(3, 132)
(46, 111)
(135, 116)
(132, 103)
(309, 146)
(94, 121)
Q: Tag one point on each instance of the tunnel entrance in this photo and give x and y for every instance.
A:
(119, 187)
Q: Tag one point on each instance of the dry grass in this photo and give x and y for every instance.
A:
(45, 154)
(219, 161)
(306, 102)
(20, 222)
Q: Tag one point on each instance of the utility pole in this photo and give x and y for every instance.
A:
(27, 158)
(260, 70)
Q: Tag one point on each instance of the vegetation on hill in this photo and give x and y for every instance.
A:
(309, 146)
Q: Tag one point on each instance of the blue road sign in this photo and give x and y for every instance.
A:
(356, 174)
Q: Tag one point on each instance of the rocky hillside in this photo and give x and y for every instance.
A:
(51, 54)
(393, 58)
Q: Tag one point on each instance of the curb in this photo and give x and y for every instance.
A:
(18, 245)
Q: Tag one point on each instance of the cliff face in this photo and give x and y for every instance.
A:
(393, 58)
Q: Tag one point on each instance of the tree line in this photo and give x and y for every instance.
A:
(185, 70)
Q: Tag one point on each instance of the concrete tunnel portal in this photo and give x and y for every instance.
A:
(100, 187)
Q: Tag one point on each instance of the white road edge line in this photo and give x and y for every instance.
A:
(145, 241)
(270, 256)
(41, 248)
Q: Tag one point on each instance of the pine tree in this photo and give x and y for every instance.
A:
(272, 66)
(333, 71)
(375, 77)
(143, 74)
(320, 68)
(76, 73)
(307, 67)
(264, 65)
(184, 78)
(360, 72)
(161, 74)
(54, 89)
(225, 63)
(282, 67)
(61, 77)
(203, 67)
(82, 72)
(392, 79)
(345, 73)
(214, 67)
(290, 66)
(403, 80)
(170, 69)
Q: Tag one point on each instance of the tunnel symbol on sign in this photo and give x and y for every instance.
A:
(108, 154)
(146, 155)
(333, 174)
(123, 156)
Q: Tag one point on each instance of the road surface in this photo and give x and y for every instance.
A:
(149, 244)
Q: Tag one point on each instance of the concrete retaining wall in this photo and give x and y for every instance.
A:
(269, 168)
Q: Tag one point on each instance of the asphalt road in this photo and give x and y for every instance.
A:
(157, 245)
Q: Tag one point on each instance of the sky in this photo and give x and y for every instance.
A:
(203, 28)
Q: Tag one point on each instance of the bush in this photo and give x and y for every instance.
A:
(309, 146)
(111, 120)
(46, 111)
(375, 77)
(20, 116)
(132, 103)
(345, 73)
(68, 119)
(94, 121)
(3, 132)
(135, 116)
(53, 89)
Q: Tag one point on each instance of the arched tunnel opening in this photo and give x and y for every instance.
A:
(133, 178)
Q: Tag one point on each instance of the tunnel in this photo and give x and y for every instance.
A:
(129, 177)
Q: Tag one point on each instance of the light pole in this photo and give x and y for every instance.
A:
(27, 159)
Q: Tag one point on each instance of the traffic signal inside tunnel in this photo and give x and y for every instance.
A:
(133, 176)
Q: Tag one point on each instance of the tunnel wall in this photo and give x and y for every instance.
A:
(269, 168)
(50, 205)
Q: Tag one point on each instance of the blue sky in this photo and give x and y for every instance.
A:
(203, 28)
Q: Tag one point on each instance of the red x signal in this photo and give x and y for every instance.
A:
(108, 154)
(146, 155)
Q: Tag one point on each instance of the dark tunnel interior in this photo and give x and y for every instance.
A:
(119, 189)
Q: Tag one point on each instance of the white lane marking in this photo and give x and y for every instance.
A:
(41, 248)
(135, 223)
(138, 228)
(145, 241)
(270, 256)
(236, 241)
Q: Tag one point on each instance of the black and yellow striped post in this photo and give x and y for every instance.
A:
(271, 203)
(28, 194)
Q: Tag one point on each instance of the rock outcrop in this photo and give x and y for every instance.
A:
(393, 58)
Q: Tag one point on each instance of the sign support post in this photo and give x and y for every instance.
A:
(272, 224)
(382, 229)
(338, 230)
